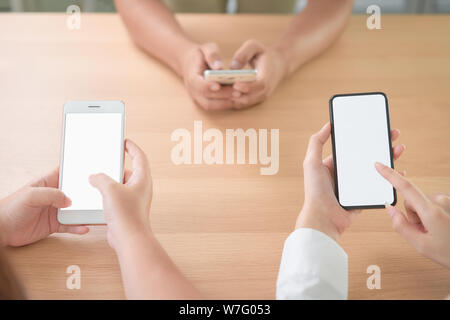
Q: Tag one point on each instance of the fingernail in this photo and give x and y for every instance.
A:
(379, 165)
(236, 94)
(214, 87)
(235, 64)
(68, 201)
(217, 64)
(404, 146)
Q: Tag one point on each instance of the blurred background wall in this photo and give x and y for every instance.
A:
(231, 6)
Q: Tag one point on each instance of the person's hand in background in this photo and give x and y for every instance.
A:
(30, 214)
(310, 33)
(208, 95)
(426, 224)
(271, 69)
(154, 28)
(147, 271)
(321, 210)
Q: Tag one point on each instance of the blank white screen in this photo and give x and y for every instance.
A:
(92, 144)
(361, 139)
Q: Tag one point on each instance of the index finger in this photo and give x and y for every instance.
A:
(410, 192)
(197, 78)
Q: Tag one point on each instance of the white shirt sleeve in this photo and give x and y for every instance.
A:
(313, 266)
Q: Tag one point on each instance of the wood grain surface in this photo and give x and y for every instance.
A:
(224, 225)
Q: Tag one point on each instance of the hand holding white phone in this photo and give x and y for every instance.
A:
(92, 142)
(230, 76)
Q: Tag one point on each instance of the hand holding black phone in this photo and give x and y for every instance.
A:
(360, 132)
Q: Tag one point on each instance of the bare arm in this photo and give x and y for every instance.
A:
(313, 30)
(154, 28)
(147, 270)
(149, 273)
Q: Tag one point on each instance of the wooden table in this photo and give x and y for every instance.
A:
(224, 225)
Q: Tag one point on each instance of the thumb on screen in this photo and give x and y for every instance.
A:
(102, 182)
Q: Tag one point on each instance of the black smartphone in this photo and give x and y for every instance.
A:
(361, 136)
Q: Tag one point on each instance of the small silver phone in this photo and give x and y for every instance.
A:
(230, 76)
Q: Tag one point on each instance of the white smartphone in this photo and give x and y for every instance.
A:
(230, 76)
(92, 142)
(361, 136)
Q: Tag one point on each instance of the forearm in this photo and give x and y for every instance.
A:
(312, 31)
(154, 28)
(149, 273)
